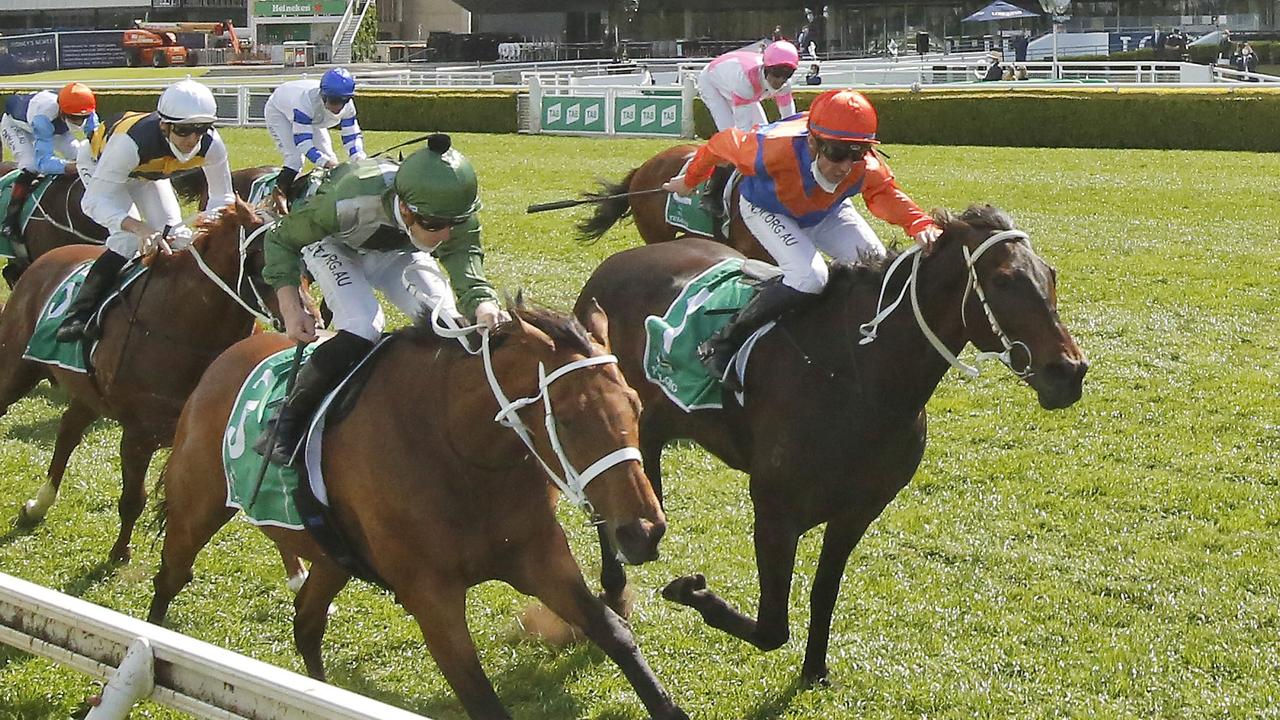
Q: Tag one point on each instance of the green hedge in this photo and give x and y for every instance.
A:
(1239, 119)
(488, 111)
(1235, 118)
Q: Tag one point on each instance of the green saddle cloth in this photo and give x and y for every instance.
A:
(29, 207)
(43, 347)
(304, 187)
(274, 503)
(671, 347)
(688, 214)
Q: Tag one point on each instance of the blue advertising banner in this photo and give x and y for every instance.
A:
(28, 54)
(90, 50)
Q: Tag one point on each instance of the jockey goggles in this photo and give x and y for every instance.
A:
(839, 152)
(335, 99)
(191, 129)
(783, 71)
(435, 224)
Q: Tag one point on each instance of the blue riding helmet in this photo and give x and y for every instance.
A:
(338, 84)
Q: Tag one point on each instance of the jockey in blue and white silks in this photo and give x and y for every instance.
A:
(38, 128)
(299, 115)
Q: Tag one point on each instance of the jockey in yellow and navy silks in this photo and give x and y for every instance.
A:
(37, 128)
(299, 114)
(799, 174)
(126, 168)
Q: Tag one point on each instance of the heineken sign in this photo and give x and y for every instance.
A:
(570, 114)
(647, 115)
(267, 8)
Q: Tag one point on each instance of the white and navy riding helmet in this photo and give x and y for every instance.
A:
(187, 102)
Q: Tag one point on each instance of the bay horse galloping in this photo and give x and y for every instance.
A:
(832, 429)
(193, 186)
(437, 497)
(649, 211)
(56, 221)
(156, 341)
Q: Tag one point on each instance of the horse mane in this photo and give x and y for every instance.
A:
(977, 217)
(563, 329)
(228, 218)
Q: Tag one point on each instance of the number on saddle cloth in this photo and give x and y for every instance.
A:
(704, 306)
(43, 347)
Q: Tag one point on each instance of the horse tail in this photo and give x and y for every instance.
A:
(608, 212)
(191, 185)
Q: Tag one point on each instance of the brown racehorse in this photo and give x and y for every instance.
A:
(57, 221)
(436, 497)
(833, 429)
(155, 344)
(650, 210)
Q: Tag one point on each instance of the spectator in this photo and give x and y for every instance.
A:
(893, 50)
(1020, 44)
(1007, 73)
(646, 77)
(989, 69)
(777, 33)
(802, 40)
(1020, 72)
(813, 77)
(1224, 46)
(1175, 44)
(1157, 42)
(1248, 59)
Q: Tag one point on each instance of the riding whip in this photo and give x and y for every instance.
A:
(275, 426)
(406, 142)
(562, 204)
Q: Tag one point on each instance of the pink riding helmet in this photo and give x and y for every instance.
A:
(782, 53)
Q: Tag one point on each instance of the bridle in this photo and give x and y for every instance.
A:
(870, 329)
(573, 483)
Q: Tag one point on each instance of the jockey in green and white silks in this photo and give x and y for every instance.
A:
(369, 222)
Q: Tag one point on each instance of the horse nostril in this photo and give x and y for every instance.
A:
(638, 540)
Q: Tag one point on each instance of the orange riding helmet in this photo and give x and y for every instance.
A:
(76, 99)
(843, 115)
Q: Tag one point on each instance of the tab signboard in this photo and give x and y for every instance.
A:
(562, 113)
(647, 116)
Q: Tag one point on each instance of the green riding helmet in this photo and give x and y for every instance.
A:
(438, 181)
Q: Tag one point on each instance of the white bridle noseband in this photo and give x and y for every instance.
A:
(869, 329)
(573, 484)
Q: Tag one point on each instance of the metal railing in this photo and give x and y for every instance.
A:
(144, 661)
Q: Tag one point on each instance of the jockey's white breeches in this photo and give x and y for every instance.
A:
(844, 235)
(349, 277)
(280, 127)
(23, 144)
(151, 201)
(743, 117)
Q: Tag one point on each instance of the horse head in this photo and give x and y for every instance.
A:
(230, 243)
(1011, 304)
(587, 425)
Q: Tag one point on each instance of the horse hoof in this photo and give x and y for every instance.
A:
(121, 556)
(816, 678)
(681, 589)
(26, 518)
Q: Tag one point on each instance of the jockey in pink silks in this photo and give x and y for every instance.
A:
(733, 85)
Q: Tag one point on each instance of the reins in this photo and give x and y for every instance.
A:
(869, 329)
(572, 483)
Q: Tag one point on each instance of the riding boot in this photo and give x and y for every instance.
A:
(21, 190)
(99, 281)
(769, 303)
(284, 185)
(330, 362)
(713, 201)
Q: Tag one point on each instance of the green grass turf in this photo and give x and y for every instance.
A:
(1116, 559)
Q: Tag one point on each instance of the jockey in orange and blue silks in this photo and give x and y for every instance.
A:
(733, 84)
(37, 128)
(799, 176)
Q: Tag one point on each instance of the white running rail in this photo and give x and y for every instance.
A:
(141, 660)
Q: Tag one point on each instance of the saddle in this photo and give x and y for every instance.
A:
(11, 246)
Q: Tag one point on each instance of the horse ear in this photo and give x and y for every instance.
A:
(597, 323)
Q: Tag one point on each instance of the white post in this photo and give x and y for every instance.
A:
(1056, 75)
(134, 680)
(687, 92)
(535, 104)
